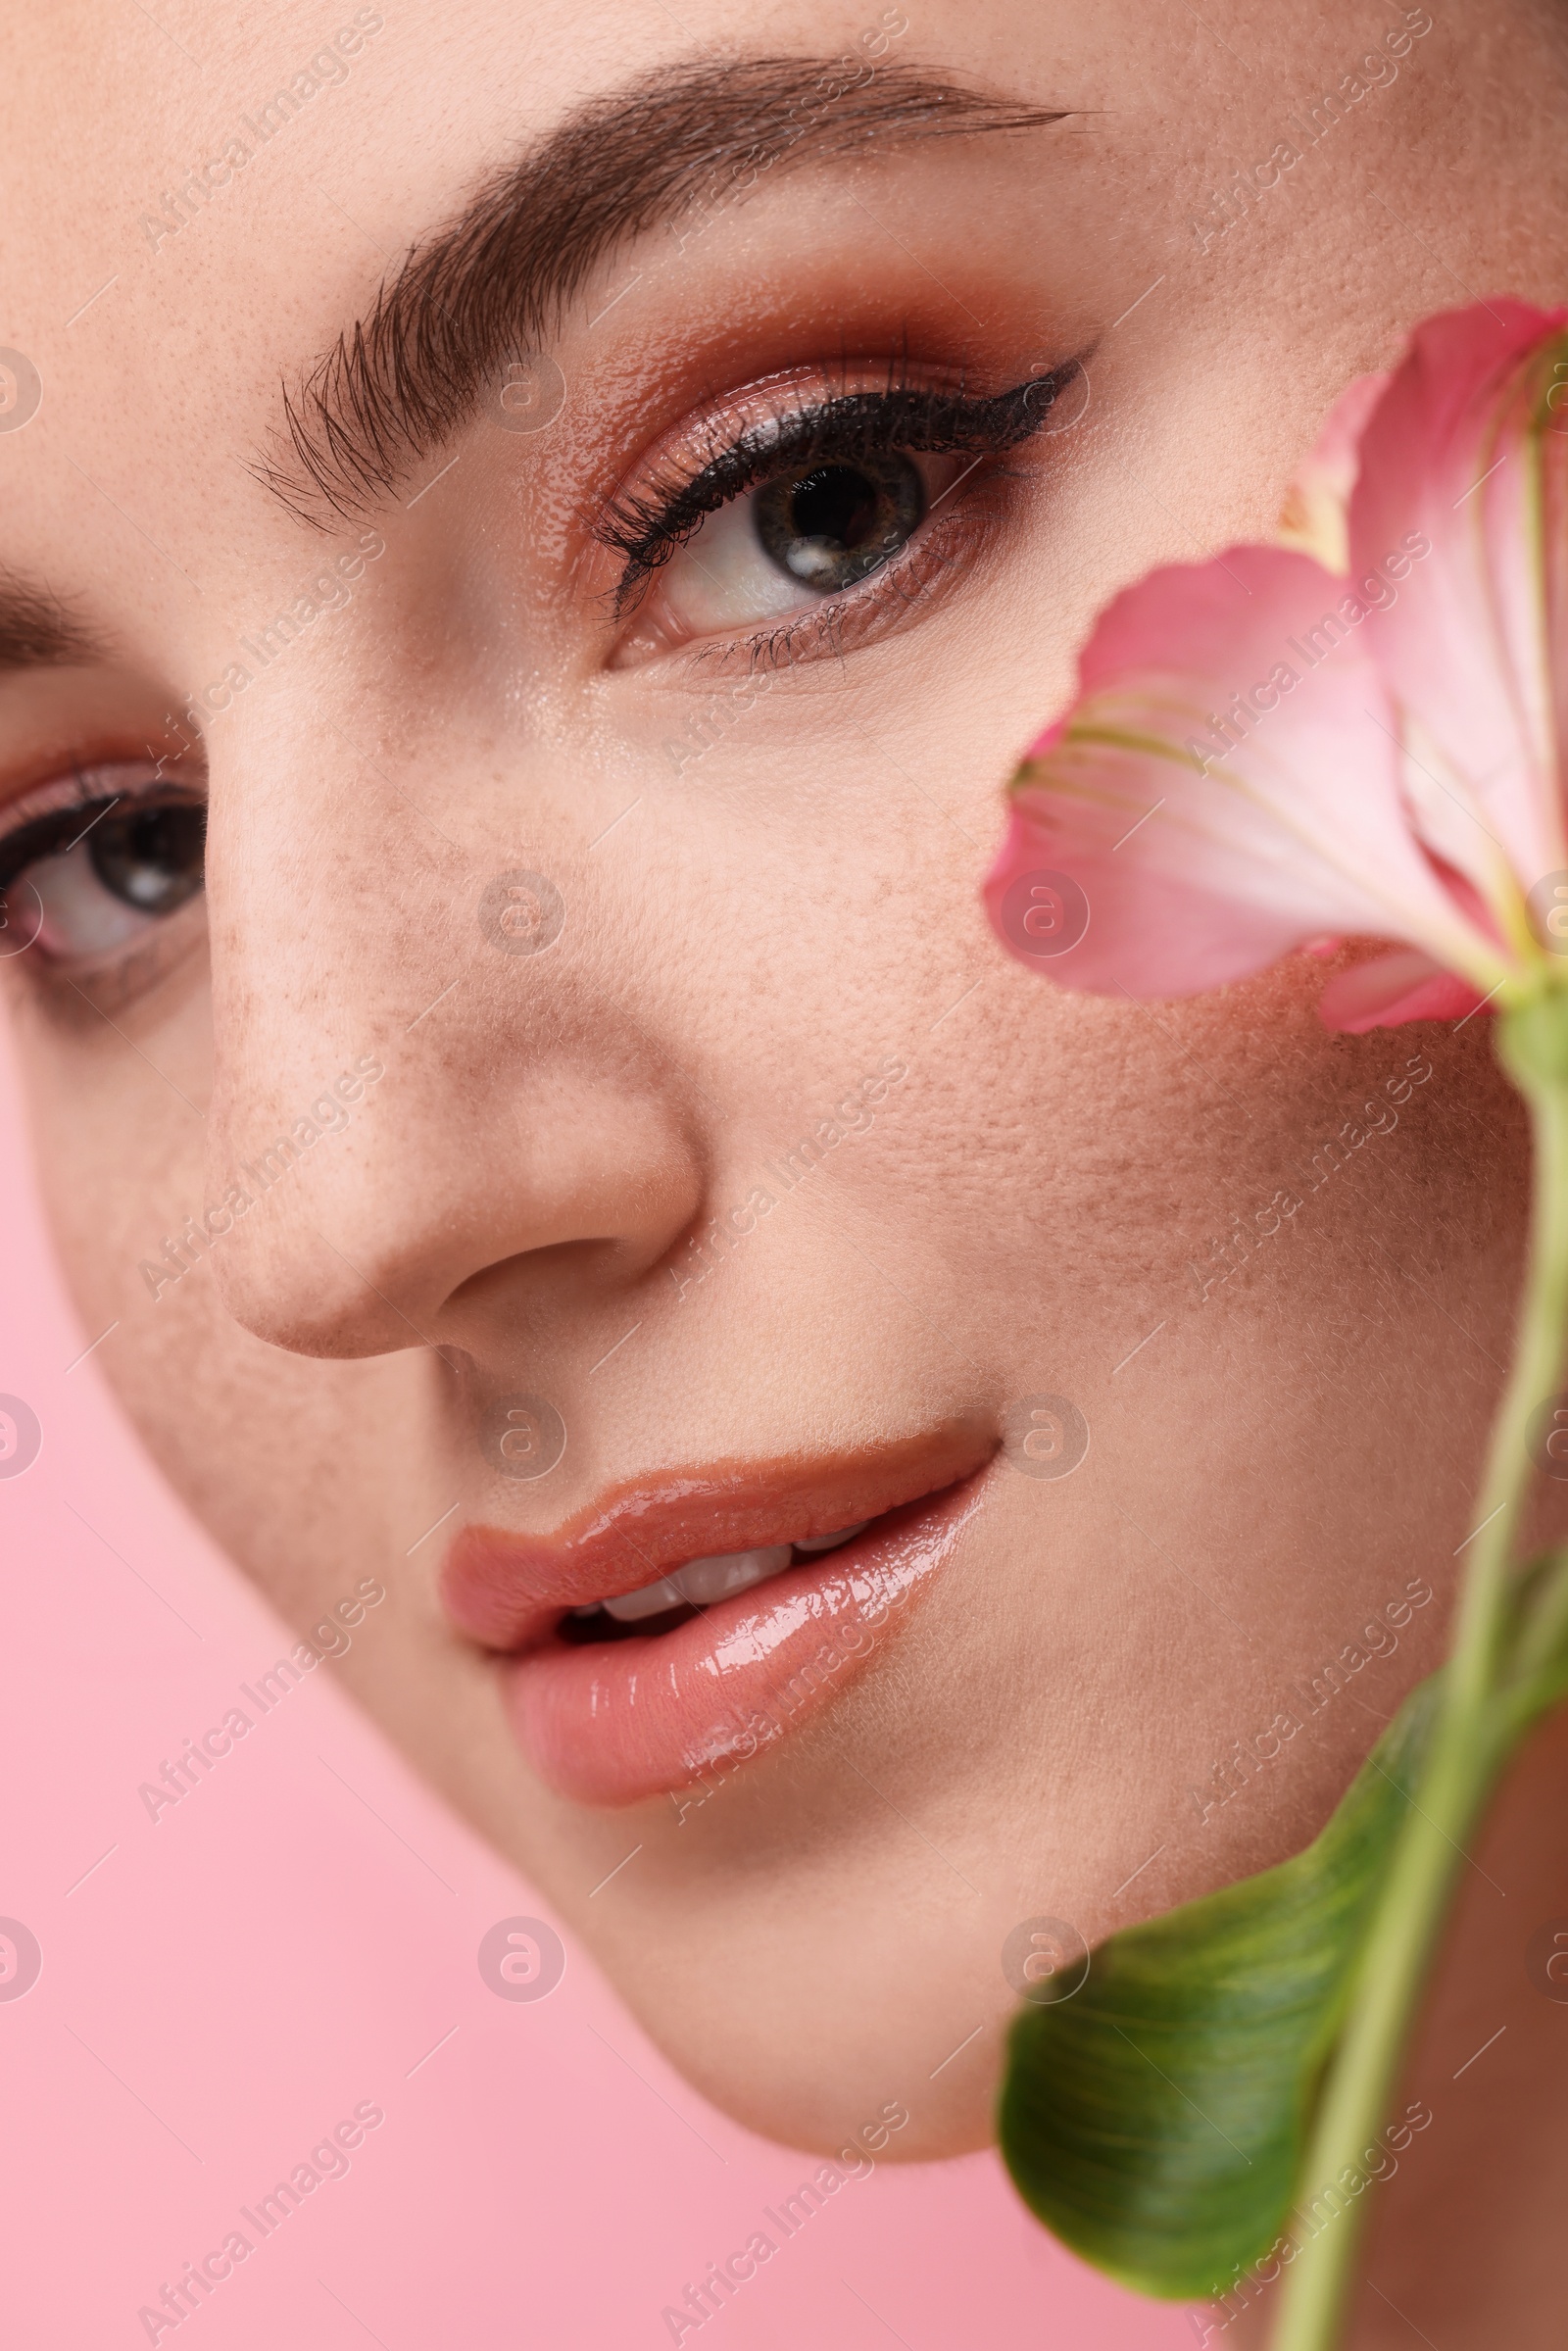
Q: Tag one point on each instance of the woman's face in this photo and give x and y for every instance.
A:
(585, 1126)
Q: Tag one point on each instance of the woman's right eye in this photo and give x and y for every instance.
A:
(87, 880)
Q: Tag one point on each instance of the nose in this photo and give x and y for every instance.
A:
(440, 1113)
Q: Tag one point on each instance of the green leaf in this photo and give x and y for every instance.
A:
(1154, 2120)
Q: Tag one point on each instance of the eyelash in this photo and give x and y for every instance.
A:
(42, 825)
(646, 527)
(43, 828)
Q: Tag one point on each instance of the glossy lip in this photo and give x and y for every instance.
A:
(614, 1723)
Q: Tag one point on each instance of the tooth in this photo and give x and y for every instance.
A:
(703, 1581)
(829, 1543)
(627, 1606)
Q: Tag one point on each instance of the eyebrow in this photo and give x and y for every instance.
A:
(36, 628)
(489, 288)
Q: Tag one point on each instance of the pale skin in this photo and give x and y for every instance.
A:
(748, 934)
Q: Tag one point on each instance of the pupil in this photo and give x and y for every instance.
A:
(151, 857)
(829, 526)
(834, 503)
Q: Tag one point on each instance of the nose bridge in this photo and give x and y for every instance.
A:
(325, 925)
(317, 932)
(423, 1071)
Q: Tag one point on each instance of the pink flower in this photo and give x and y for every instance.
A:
(1358, 733)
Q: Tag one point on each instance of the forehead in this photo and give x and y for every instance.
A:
(198, 225)
(229, 177)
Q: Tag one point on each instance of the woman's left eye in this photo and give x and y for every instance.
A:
(811, 531)
(796, 496)
(87, 879)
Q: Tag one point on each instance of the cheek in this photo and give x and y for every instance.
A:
(122, 1164)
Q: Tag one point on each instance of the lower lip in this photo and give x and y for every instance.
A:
(614, 1722)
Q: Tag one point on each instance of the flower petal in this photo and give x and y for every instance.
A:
(1458, 501)
(1391, 988)
(1315, 517)
(1227, 787)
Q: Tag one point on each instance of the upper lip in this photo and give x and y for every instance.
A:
(507, 1588)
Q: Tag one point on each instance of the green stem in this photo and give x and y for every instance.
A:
(1467, 1751)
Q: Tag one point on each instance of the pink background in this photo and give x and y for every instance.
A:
(299, 1935)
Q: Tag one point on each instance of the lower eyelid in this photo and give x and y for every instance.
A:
(924, 566)
(76, 992)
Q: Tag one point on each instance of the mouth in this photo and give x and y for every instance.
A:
(686, 1623)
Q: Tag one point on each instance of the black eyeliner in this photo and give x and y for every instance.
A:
(60, 827)
(44, 835)
(647, 529)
